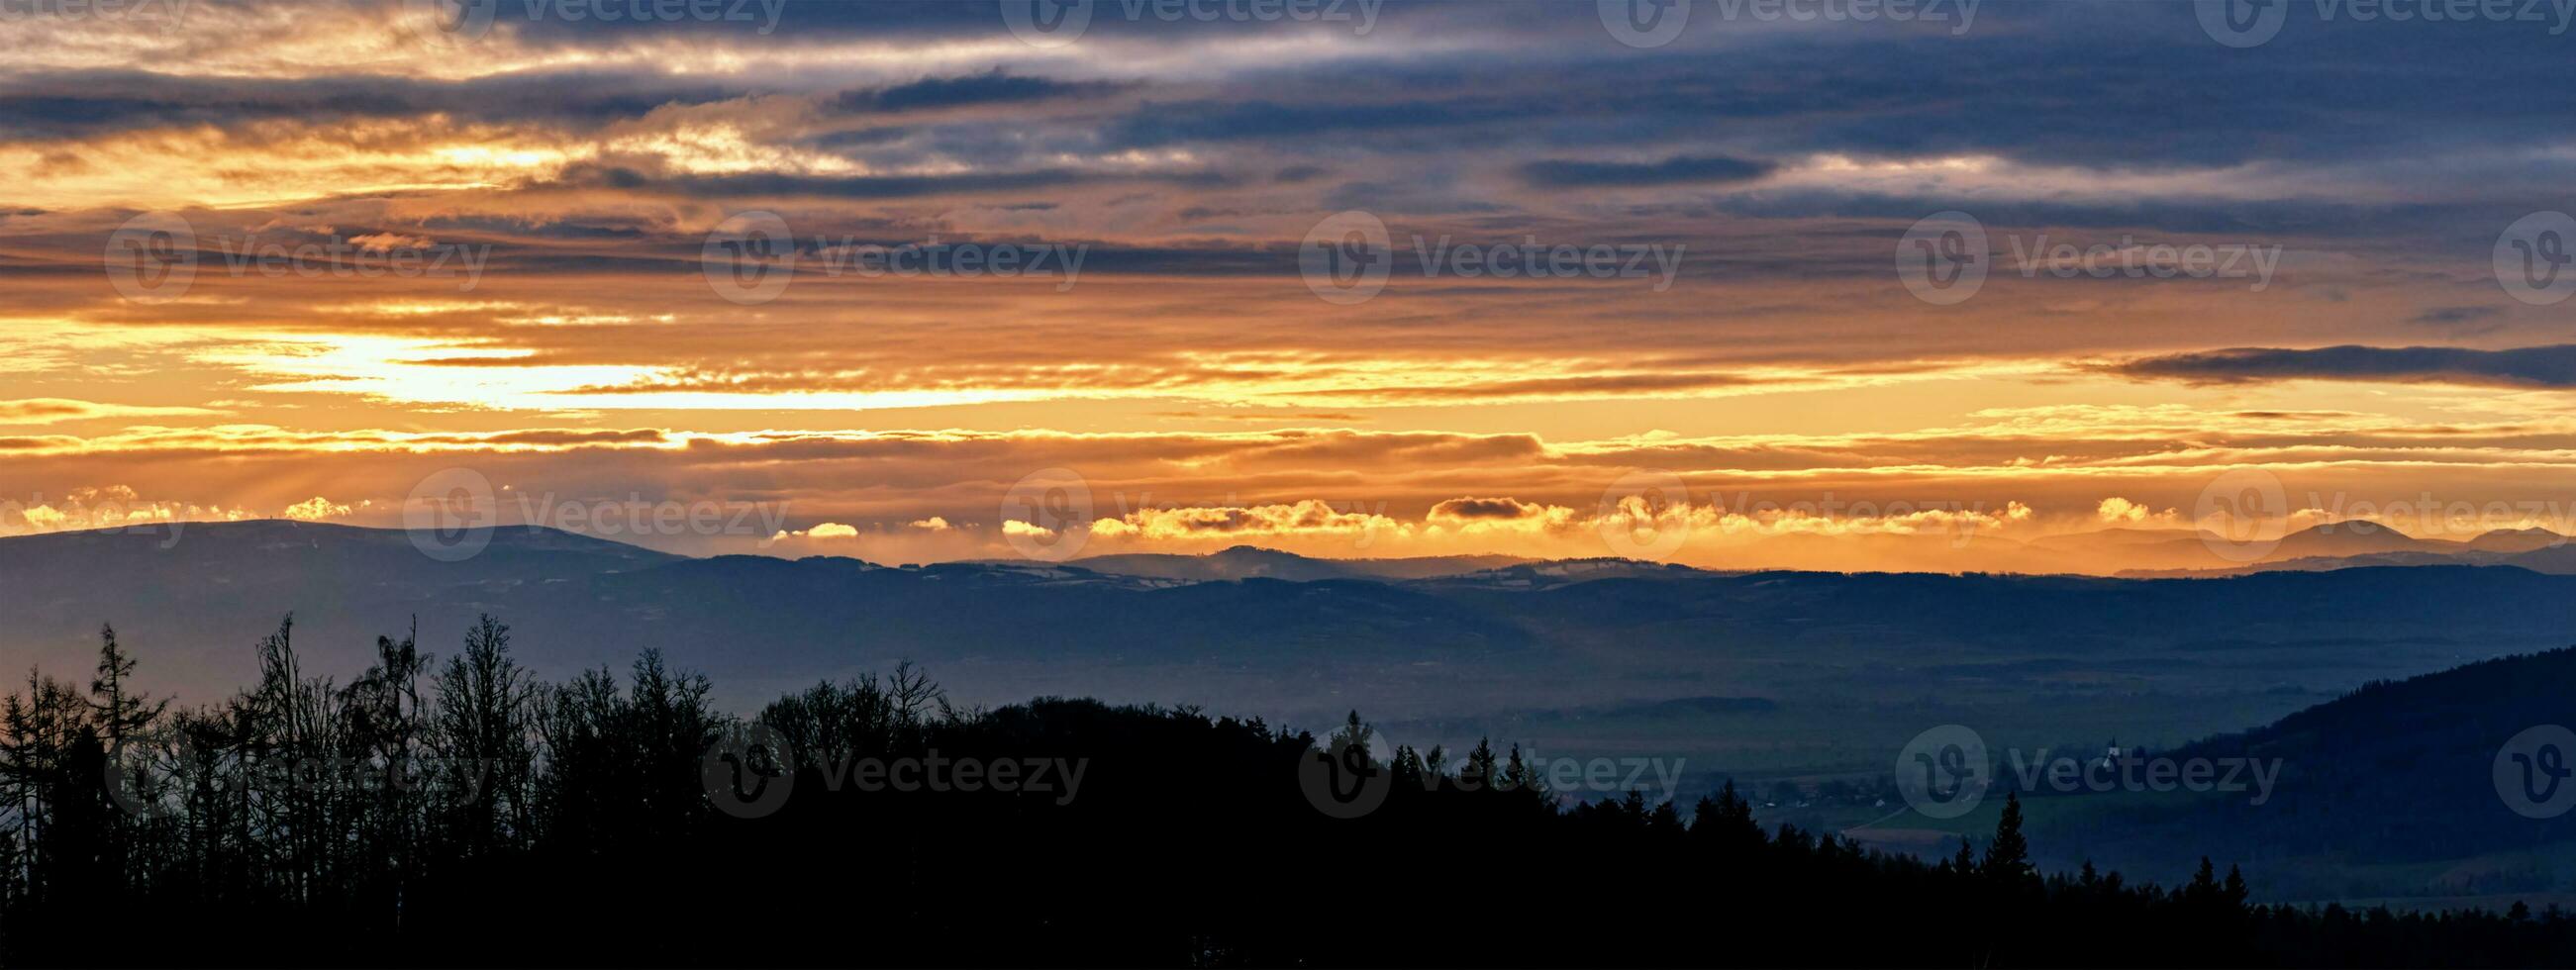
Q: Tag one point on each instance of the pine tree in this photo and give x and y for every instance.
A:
(2008, 858)
(1523, 776)
(1479, 772)
(119, 711)
(1353, 733)
(1727, 821)
(2204, 884)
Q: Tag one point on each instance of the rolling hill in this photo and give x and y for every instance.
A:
(1831, 669)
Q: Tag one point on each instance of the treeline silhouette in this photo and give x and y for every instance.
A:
(466, 812)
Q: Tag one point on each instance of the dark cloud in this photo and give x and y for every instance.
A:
(1678, 170)
(2456, 314)
(2087, 85)
(2464, 321)
(2262, 221)
(991, 87)
(1485, 508)
(72, 104)
(1156, 125)
(783, 185)
(2551, 366)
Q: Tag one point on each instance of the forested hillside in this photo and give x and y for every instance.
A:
(458, 810)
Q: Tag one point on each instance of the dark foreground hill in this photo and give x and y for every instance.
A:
(2403, 789)
(470, 814)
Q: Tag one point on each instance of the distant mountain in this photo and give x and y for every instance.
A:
(1251, 562)
(1854, 663)
(194, 597)
(2538, 550)
(2518, 540)
(2117, 538)
(1938, 552)
(1562, 572)
(2129, 551)
(2352, 539)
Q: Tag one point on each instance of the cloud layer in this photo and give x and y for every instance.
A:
(265, 260)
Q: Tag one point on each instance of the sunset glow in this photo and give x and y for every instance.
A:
(433, 250)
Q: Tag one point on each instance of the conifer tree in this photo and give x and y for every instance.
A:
(2008, 857)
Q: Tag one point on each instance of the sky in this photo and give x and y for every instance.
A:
(1820, 282)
